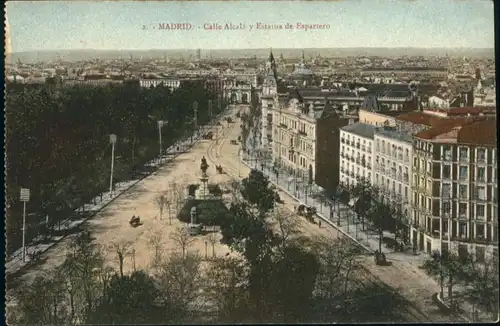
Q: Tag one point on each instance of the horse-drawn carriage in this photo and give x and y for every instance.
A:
(135, 221)
(208, 135)
(306, 211)
(234, 142)
(219, 170)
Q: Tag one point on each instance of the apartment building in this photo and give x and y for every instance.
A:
(356, 153)
(305, 140)
(294, 138)
(392, 167)
(454, 185)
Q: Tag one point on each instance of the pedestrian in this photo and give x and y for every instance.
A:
(319, 223)
(331, 215)
(294, 208)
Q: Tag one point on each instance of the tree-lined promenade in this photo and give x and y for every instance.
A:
(58, 141)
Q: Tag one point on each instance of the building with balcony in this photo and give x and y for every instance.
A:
(306, 140)
(356, 152)
(392, 168)
(455, 197)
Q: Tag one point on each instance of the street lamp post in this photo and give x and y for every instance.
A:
(239, 162)
(195, 118)
(160, 125)
(24, 197)
(112, 140)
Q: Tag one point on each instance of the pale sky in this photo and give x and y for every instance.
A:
(60, 25)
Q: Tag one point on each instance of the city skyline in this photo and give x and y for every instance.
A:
(137, 26)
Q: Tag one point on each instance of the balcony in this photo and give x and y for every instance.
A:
(352, 143)
(480, 198)
(400, 157)
(363, 148)
(342, 140)
(463, 158)
(369, 150)
(302, 133)
(400, 177)
(405, 177)
(368, 166)
(358, 145)
(358, 161)
(481, 160)
(284, 126)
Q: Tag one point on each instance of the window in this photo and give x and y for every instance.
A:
(369, 175)
(481, 175)
(481, 193)
(446, 171)
(480, 211)
(462, 209)
(447, 153)
(462, 230)
(446, 190)
(429, 167)
(481, 155)
(446, 207)
(462, 173)
(407, 155)
(406, 192)
(462, 191)
(463, 154)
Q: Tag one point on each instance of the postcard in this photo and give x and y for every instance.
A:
(188, 162)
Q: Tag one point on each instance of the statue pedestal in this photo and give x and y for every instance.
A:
(202, 192)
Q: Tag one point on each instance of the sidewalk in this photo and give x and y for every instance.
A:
(344, 219)
(340, 216)
(14, 261)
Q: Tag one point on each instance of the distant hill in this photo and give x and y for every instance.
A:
(78, 55)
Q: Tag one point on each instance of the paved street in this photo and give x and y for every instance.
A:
(109, 223)
(403, 274)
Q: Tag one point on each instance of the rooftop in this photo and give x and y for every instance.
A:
(421, 118)
(394, 134)
(361, 129)
(468, 130)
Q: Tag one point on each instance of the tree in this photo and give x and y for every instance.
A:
(257, 191)
(338, 258)
(134, 299)
(41, 302)
(225, 285)
(213, 239)
(182, 239)
(287, 230)
(180, 278)
(67, 129)
(378, 214)
(79, 269)
(292, 300)
(122, 250)
(450, 268)
(482, 281)
(156, 243)
(161, 202)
